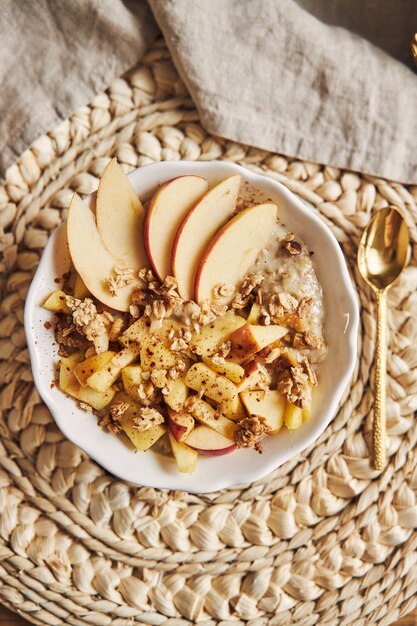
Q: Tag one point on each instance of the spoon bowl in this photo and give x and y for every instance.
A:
(383, 248)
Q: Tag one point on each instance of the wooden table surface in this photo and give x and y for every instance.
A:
(7, 618)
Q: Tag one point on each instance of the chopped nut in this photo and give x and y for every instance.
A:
(313, 341)
(243, 297)
(122, 276)
(107, 422)
(224, 349)
(146, 418)
(293, 247)
(86, 407)
(116, 329)
(311, 374)
(118, 409)
(146, 275)
(250, 431)
(159, 378)
(304, 307)
(264, 318)
(206, 314)
(134, 311)
(218, 309)
(178, 345)
(287, 301)
(173, 374)
(158, 309)
(275, 308)
(272, 355)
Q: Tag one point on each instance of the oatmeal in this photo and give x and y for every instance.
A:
(290, 281)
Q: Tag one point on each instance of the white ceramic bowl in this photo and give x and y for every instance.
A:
(244, 466)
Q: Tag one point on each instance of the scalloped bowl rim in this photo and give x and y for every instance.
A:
(213, 473)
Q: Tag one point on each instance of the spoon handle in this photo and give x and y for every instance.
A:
(379, 434)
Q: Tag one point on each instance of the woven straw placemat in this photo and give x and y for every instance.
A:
(323, 540)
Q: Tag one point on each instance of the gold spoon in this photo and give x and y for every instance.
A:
(382, 255)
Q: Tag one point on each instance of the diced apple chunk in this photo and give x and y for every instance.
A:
(293, 416)
(177, 394)
(209, 442)
(156, 356)
(219, 388)
(268, 404)
(207, 341)
(207, 415)
(250, 338)
(232, 371)
(138, 331)
(185, 457)
(142, 440)
(56, 302)
(131, 379)
(241, 412)
(257, 377)
(80, 290)
(180, 424)
(70, 385)
(86, 368)
(105, 377)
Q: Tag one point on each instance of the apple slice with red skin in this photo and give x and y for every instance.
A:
(208, 442)
(198, 229)
(167, 209)
(180, 424)
(233, 250)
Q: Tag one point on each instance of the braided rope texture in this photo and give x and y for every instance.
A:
(323, 540)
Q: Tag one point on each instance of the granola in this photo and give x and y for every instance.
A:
(250, 431)
(146, 418)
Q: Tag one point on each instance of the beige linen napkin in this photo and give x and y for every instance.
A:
(56, 55)
(284, 75)
(321, 81)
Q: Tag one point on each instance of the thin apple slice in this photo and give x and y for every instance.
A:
(120, 216)
(185, 457)
(209, 442)
(180, 424)
(166, 211)
(268, 404)
(234, 249)
(197, 230)
(92, 260)
(206, 414)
